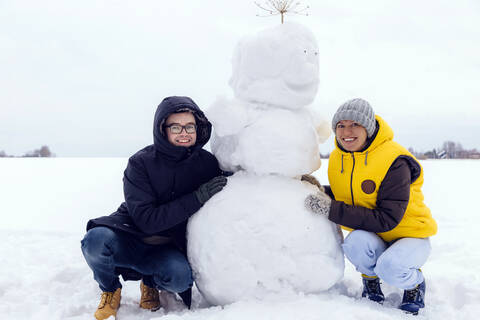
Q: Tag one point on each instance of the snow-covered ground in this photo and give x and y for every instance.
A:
(45, 204)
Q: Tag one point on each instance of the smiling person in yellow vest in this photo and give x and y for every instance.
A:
(375, 190)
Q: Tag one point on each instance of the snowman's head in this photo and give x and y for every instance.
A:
(277, 67)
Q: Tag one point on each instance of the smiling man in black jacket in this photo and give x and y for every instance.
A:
(164, 184)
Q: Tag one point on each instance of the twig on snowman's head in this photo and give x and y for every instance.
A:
(282, 8)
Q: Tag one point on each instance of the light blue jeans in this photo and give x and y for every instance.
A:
(397, 263)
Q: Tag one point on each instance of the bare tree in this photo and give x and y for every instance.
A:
(282, 7)
(43, 152)
(452, 148)
(414, 152)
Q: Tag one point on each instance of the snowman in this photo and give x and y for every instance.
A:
(255, 237)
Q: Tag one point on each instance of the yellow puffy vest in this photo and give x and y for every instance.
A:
(347, 172)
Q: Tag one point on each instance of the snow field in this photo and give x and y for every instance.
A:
(46, 203)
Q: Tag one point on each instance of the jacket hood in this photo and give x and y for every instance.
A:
(383, 133)
(177, 104)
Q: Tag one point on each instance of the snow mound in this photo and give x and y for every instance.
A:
(271, 245)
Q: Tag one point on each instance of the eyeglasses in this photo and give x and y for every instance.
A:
(177, 128)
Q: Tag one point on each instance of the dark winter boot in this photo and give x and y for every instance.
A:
(414, 299)
(371, 289)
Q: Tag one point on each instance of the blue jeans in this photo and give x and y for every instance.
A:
(397, 263)
(163, 267)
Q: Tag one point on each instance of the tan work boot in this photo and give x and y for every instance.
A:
(109, 304)
(149, 299)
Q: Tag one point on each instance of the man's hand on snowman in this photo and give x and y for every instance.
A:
(318, 203)
(208, 189)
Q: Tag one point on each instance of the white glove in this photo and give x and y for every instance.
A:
(318, 203)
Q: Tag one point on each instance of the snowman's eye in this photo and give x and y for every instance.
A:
(304, 51)
(316, 53)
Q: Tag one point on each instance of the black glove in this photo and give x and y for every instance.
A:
(227, 173)
(208, 189)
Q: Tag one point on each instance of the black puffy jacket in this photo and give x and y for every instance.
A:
(160, 180)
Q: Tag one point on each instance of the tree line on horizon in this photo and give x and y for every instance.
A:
(449, 150)
(43, 152)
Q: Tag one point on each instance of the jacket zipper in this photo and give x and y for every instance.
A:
(351, 180)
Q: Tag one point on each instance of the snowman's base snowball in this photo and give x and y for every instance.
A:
(255, 238)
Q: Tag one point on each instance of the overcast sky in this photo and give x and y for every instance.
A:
(85, 77)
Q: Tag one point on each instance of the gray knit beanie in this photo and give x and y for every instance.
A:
(357, 110)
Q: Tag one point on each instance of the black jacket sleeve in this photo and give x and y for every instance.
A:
(148, 215)
(392, 201)
(328, 191)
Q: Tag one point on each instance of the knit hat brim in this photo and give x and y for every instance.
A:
(357, 110)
